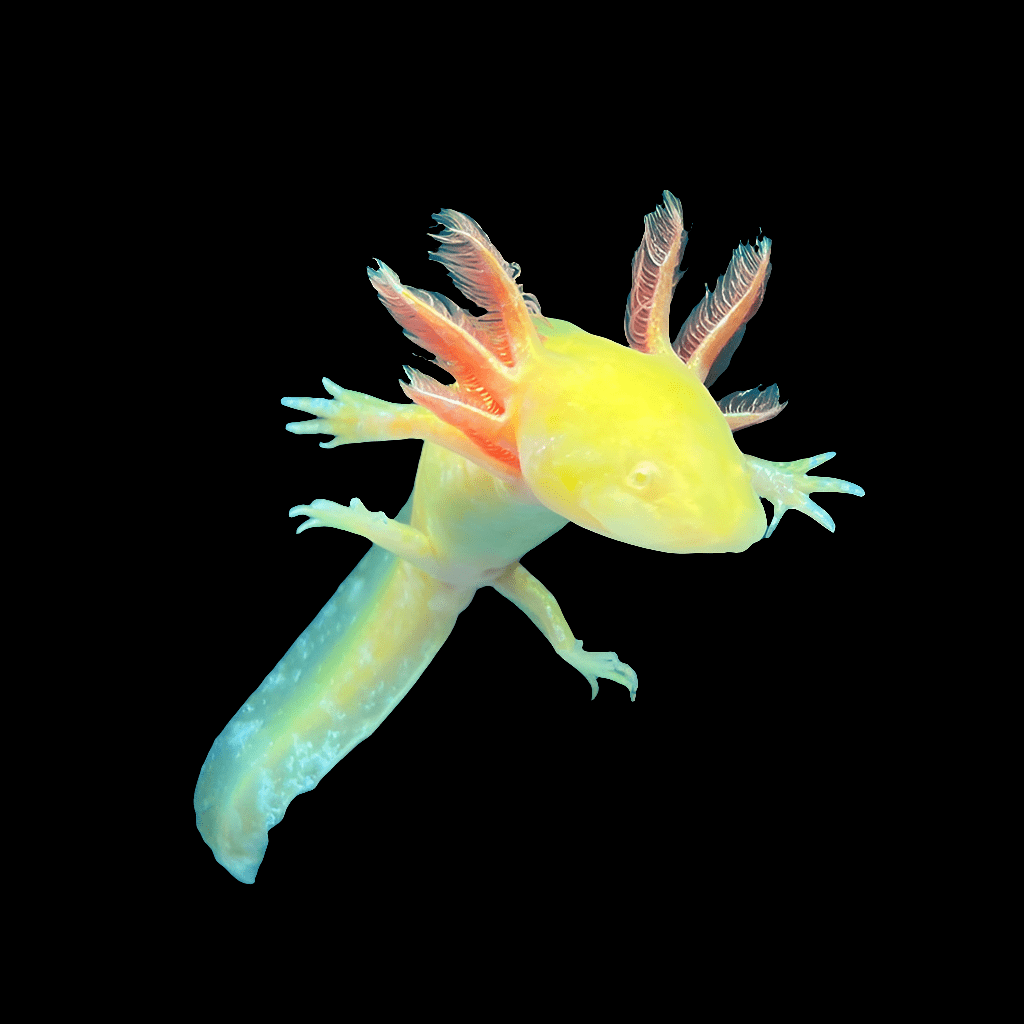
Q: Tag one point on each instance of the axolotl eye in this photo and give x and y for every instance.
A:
(643, 476)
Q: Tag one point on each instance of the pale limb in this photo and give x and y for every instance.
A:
(353, 418)
(785, 486)
(400, 539)
(527, 593)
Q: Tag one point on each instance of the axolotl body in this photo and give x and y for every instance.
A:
(545, 424)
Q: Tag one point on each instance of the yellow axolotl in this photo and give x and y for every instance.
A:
(544, 424)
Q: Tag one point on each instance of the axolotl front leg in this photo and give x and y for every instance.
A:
(786, 486)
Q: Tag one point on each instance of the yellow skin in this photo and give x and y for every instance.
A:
(632, 446)
(545, 424)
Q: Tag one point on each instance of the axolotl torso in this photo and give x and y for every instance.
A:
(544, 424)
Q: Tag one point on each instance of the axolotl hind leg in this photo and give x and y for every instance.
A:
(786, 486)
(527, 593)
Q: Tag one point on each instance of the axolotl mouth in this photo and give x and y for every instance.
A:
(734, 527)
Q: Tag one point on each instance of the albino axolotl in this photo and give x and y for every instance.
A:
(544, 424)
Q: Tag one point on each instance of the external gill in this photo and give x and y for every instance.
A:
(483, 275)
(712, 332)
(745, 408)
(485, 354)
(785, 486)
(474, 404)
(655, 276)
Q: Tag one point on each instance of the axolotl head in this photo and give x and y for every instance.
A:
(631, 445)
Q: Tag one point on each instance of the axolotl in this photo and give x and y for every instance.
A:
(544, 424)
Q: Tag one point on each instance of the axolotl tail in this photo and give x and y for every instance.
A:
(357, 659)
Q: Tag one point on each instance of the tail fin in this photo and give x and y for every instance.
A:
(332, 689)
